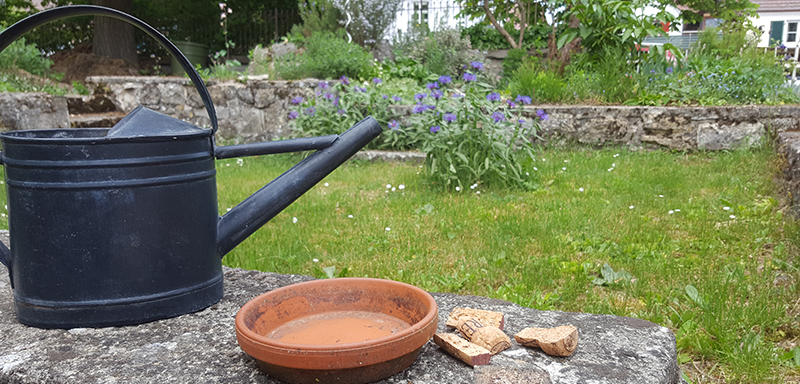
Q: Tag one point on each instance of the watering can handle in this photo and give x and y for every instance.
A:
(15, 31)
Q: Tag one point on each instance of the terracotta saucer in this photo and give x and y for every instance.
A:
(346, 330)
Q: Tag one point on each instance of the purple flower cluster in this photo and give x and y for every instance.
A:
(432, 85)
(393, 125)
(494, 96)
(396, 98)
(297, 100)
(377, 81)
(420, 96)
(477, 65)
(469, 77)
(498, 117)
(523, 99)
(445, 79)
(435, 128)
(293, 115)
(437, 94)
(359, 89)
(344, 80)
(542, 115)
(311, 111)
(669, 70)
(323, 84)
(449, 117)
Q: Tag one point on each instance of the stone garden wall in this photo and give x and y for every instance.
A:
(257, 110)
(32, 111)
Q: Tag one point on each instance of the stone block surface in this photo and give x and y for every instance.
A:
(201, 347)
(20, 111)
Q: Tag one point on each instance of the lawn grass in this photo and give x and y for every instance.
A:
(724, 280)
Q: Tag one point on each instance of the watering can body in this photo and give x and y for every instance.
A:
(120, 226)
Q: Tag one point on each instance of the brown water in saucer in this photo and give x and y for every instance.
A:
(338, 327)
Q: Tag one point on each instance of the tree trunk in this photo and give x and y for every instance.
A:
(499, 27)
(114, 38)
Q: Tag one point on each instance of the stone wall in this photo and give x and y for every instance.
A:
(32, 111)
(253, 111)
(258, 110)
(682, 128)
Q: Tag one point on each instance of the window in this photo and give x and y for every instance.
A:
(691, 27)
(421, 12)
(791, 31)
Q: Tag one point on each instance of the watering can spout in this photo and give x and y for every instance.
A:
(255, 211)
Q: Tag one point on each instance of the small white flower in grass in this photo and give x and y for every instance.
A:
(458, 189)
(240, 162)
(349, 216)
(631, 207)
(387, 229)
(543, 159)
(671, 212)
(473, 186)
(388, 186)
(732, 217)
(2, 215)
(228, 210)
(677, 210)
(566, 161)
(228, 165)
(535, 169)
(660, 195)
(580, 189)
(726, 208)
(528, 174)
(616, 155)
(610, 169)
(315, 260)
(401, 187)
(563, 168)
(394, 189)
(477, 192)
(326, 184)
(294, 219)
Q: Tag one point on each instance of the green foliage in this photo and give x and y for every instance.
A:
(14, 10)
(443, 52)
(472, 138)
(339, 105)
(484, 36)
(546, 85)
(721, 69)
(326, 56)
(319, 16)
(616, 25)
(609, 277)
(10, 82)
(735, 14)
(26, 57)
(513, 61)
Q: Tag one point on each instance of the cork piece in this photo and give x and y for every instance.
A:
(489, 337)
(558, 341)
(464, 350)
(495, 319)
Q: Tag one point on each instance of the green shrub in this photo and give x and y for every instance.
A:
(442, 52)
(484, 36)
(513, 61)
(326, 56)
(26, 57)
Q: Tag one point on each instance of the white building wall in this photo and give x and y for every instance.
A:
(438, 14)
(766, 19)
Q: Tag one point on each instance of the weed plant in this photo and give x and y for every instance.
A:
(695, 242)
(326, 56)
(20, 55)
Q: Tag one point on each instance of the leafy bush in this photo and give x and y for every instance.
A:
(26, 57)
(443, 52)
(326, 56)
(486, 37)
(338, 105)
(471, 138)
(546, 85)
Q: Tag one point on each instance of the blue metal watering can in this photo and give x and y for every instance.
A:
(120, 226)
